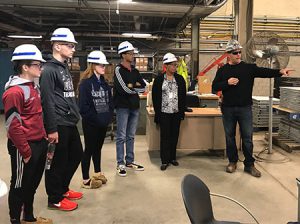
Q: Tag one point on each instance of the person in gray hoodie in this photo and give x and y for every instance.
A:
(61, 115)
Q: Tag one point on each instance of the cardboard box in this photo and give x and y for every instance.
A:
(204, 85)
(143, 68)
(145, 61)
(138, 61)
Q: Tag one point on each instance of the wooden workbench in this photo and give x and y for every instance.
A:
(201, 129)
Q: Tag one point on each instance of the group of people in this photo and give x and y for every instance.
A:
(37, 116)
(42, 116)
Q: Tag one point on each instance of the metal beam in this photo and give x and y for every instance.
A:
(9, 28)
(187, 17)
(195, 47)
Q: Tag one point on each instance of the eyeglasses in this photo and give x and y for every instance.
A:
(40, 65)
(175, 65)
(236, 52)
(130, 53)
(71, 46)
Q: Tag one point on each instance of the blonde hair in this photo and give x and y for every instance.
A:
(89, 71)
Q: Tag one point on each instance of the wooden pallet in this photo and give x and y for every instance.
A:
(285, 143)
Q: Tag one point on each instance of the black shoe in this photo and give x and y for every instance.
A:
(187, 109)
(135, 166)
(174, 163)
(163, 167)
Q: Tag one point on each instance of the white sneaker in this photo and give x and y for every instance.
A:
(121, 170)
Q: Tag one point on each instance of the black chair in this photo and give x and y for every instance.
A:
(192, 100)
(196, 197)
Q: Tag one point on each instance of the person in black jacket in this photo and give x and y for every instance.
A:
(127, 84)
(61, 115)
(96, 109)
(235, 80)
(168, 96)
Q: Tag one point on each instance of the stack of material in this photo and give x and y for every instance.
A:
(290, 98)
(260, 110)
(285, 82)
(290, 129)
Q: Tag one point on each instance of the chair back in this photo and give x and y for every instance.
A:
(197, 200)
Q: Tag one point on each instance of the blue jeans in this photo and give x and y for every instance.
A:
(127, 121)
(242, 116)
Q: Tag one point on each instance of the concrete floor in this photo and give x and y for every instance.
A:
(154, 196)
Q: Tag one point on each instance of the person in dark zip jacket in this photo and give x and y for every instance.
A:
(96, 109)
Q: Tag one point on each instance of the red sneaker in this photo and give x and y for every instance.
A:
(73, 195)
(63, 205)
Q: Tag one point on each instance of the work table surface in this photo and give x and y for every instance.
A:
(197, 112)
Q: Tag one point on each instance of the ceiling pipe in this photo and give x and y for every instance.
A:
(137, 8)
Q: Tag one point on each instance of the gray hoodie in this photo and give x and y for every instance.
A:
(15, 80)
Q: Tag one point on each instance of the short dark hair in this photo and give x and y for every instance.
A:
(19, 64)
(121, 55)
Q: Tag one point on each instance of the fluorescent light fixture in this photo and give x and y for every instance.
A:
(137, 35)
(125, 1)
(24, 37)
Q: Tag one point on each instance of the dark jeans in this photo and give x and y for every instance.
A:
(93, 141)
(67, 156)
(169, 132)
(242, 116)
(25, 179)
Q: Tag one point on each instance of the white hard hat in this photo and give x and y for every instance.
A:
(97, 57)
(125, 46)
(63, 34)
(27, 52)
(233, 45)
(168, 58)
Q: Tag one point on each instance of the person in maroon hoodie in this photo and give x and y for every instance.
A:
(27, 144)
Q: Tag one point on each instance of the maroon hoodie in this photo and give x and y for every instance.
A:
(23, 114)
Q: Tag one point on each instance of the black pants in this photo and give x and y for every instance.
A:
(169, 132)
(93, 140)
(25, 178)
(67, 156)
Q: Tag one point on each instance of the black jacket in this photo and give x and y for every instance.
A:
(95, 101)
(157, 95)
(241, 94)
(125, 96)
(58, 96)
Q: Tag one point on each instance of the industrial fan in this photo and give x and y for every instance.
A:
(268, 50)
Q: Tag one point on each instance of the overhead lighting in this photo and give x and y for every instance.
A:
(137, 35)
(125, 1)
(24, 37)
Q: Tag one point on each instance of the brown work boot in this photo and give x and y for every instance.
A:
(39, 220)
(231, 167)
(100, 176)
(252, 171)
